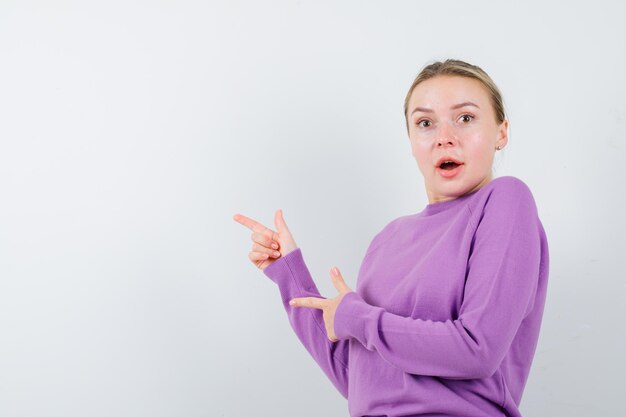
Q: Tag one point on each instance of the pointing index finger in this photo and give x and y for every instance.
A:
(253, 225)
(312, 302)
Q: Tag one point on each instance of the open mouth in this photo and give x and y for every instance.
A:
(448, 165)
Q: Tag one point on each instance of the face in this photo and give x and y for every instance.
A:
(451, 118)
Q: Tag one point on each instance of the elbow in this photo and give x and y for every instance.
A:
(480, 361)
(482, 358)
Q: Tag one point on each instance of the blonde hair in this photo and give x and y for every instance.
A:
(462, 69)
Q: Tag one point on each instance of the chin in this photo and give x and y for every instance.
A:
(453, 191)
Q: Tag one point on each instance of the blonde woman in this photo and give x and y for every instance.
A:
(448, 304)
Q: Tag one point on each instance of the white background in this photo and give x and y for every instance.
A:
(131, 132)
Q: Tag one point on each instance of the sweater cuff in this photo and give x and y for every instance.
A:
(291, 268)
(353, 316)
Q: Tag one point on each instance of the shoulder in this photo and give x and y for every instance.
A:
(506, 193)
(509, 185)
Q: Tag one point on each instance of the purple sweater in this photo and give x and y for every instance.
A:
(445, 316)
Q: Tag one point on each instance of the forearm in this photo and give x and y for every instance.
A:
(471, 345)
(294, 280)
(444, 349)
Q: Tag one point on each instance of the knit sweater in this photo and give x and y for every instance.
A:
(445, 317)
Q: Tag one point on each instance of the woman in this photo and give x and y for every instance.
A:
(448, 303)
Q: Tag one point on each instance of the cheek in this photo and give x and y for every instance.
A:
(421, 154)
(482, 149)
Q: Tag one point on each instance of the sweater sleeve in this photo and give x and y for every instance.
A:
(294, 280)
(501, 281)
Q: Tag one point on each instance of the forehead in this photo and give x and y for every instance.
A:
(446, 90)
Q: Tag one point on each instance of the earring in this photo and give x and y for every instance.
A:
(498, 147)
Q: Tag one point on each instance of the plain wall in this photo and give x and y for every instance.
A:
(132, 131)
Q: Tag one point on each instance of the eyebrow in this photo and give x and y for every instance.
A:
(456, 106)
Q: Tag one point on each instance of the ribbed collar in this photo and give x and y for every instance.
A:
(434, 208)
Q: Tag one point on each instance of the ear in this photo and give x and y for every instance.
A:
(503, 136)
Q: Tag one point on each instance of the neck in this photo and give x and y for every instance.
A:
(438, 199)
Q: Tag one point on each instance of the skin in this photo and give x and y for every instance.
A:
(468, 133)
(267, 245)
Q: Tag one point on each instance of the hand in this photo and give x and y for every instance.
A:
(328, 306)
(263, 238)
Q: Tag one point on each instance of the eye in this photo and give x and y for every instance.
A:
(466, 118)
(424, 123)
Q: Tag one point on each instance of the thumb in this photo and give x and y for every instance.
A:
(338, 281)
(280, 224)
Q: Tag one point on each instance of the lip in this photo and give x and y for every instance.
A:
(448, 173)
(447, 158)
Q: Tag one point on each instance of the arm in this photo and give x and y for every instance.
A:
(500, 286)
(294, 280)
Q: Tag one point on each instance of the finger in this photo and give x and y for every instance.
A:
(338, 280)
(253, 225)
(311, 302)
(279, 222)
(265, 240)
(257, 256)
(262, 249)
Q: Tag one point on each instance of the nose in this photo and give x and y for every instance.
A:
(446, 136)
